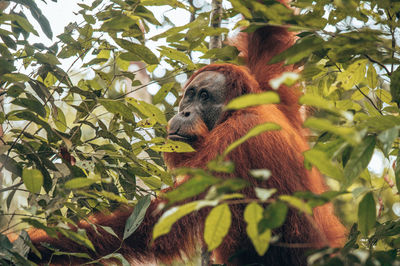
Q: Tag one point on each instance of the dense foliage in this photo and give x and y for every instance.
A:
(75, 141)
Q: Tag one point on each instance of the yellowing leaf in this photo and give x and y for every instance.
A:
(353, 75)
(79, 183)
(178, 56)
(372, 77)
(252, 215)
(217, 226)
(60, 120)
(297, 203)
(359, 94)
(50, 80)
(320, 160)
(173, 146)
(253, 100)
(33, 180)
(148, 110)
(384, 95)
(164, 224)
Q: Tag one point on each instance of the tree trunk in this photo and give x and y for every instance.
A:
(216, 17)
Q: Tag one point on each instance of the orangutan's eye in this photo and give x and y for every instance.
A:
(204, 96)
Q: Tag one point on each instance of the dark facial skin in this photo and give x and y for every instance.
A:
(204, 99)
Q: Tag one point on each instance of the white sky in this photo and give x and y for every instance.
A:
(59, 15)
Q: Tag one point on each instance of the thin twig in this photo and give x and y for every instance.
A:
(358, 88)
(11, 188)
(369, 99)
(392, 30)
(379, 63)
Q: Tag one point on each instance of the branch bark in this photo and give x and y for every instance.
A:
(216, 18)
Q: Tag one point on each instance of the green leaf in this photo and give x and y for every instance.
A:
(381, 123)
(74, 254)
(14, 77)
(372, 77)
(303, 48)
(31, 104)
(139, 50)
(253, 215)
(359, 94)
(108, 230)
(45, 25)
(47, 59)
(395, 86)
(164, 224)
(297, 203)
(367, 214)
(89, 19)
(50, 80)
(137, 216)
(79, 237)
(157, 171)
(117, 256)
(348, 133)
(221, 166)
(173, 146)
(119, 22)
(387, 139)
(253, 100)
(10, 164)
(359, 160)
(95, 61)
(23, 22)
(273, 216)
(149, 110)
(50, 231)
(170, 32)
(162, 92)
(193, 187)
(242, 9)
(79, 182)
(60, 120)
(33, 180)
(225, 53)
(319, 102)
(384, 95)
(324, 164)
(117, 107)
(255, 131)
(171, 3)
(178, 56)
(397, 172)
(217, 225)
(353, 75)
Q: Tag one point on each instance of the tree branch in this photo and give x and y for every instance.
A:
(378, 63)
(11, 188)
(216, 18)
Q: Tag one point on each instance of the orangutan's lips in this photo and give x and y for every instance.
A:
(183, 138)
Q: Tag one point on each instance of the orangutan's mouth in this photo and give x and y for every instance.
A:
(183, 138)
